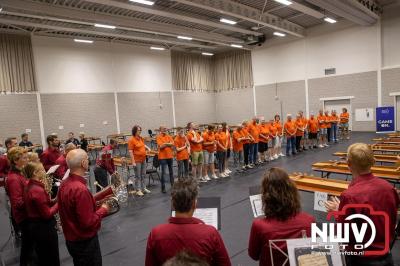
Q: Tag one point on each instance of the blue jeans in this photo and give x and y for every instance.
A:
(164, 163)
(255, 152)
(334, 132)
(251, 153)
(290, 142)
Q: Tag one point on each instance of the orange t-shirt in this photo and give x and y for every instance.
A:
(228, 136)
(299, 126)
(245, 134)
(237, 145)
(290, 128)
(168, 151)
(321, 120)
(344, 118)
(254, 132)
(264, 130)
(222, 139)
(137, 146)
(305, 122)
(328, 121)
(278, 127)
(272, 130)
(209, 137)
(313, 125)
(334, 119)
(194, 147)
(179, 143)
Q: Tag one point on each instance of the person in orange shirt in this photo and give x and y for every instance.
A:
(246, 144)
(313, 127)
(137, 151)
(226, 129)
(253, 128)
(209, 147)
(304, 140)
(279, 137)
(272, 136)
(322, 129)
(264, 139)
(290, 129)
(196, 150)
(182, 148)
(334, 124)
(238, 140)
(222, 146)
(344, 124)
(328, 126)
(165, 145)
(299, 132)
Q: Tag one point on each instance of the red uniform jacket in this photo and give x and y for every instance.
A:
(4, 167)
(106, 161)
(37, 202)
(15, 187)
(63, 167)
(186, 233)
(79, 218)
(49, 157)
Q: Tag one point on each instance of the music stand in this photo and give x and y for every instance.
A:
(273, 245)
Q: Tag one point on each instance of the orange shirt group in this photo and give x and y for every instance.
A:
(180, 142)
(137, 146)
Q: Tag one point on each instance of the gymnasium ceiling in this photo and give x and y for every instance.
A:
(161, 23)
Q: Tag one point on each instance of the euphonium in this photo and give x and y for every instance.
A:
(112, 195)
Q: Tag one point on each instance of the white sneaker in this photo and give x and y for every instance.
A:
(277, 156)
(222, 175)
(202, 180)
(282, 155)
(207, 178)
(320, 146)
(271, 158)
(249, 166)
(326, 145)
(228, 171)
(139, 193)
(146, 191)
(214, 176)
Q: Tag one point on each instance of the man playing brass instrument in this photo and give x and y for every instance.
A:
(79, 217)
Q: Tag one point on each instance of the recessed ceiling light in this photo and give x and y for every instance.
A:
(157, 48)
(227, 21)
(144, 2)
(83, 41)
(280, 34)
(330, 20)
(104, 26)
(209, 54)
(284, 2)
(185, 38)
(237, 45)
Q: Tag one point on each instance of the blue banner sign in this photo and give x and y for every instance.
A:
(385, 120)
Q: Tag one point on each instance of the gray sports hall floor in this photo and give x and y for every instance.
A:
(123, 236)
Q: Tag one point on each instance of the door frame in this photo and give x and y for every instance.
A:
(395, 95)
(327, 99)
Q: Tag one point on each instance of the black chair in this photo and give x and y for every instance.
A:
(153, 170)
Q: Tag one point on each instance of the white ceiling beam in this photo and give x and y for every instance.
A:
(100, 33)
(306, 10)
(236, 10)
(131, 23)
(172, 15)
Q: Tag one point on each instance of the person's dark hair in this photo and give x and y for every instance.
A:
(188, 125)
(224, 126)
(280, 197)
(185, 258)
(51, 138)
(277, 116)
(211, 127)
(344, 109)
(184, 193)
(113, 141)
(135, 129)
(8, 141)
(23, 135)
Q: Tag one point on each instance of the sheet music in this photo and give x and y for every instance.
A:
(256, 205)
(53, 169)
(319, 200)
(208, 215)
(66, 175)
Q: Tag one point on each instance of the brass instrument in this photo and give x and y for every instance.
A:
(112, 195)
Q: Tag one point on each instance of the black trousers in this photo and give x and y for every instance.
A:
(246, 153)
(328, 134)
(27, 251)
(86, 252)
(101, 176)
(298, 140)
(366, 261)
(45, 240)
(164, 163)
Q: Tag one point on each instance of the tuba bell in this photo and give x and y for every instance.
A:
(112, 195)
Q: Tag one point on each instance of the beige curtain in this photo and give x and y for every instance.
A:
(16, 64)
(192, 72)
(226, 71)
(233, 70)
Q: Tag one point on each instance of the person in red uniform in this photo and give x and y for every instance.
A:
(40, 211)
(165, 145)
(77, 208)
(62, 162)
(51, 154)
(105, 165)
(15, 186)
(366, 188)
(283, 218)
(184, 232)
(4, 164)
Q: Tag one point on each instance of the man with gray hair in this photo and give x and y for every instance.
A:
(79, 218)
